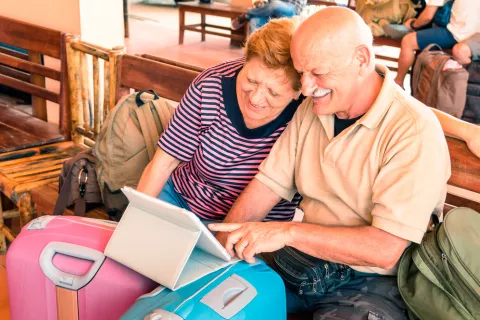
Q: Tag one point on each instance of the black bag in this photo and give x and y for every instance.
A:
(78, 185)
(472, 105)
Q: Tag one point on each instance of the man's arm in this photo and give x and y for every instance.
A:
(357, 246)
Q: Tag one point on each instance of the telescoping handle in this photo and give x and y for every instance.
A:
(63, 279)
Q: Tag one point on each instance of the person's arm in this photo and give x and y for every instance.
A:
(456, 128)
(407, 190)
(274, 181)
(423, 19)
(156, 173)
(357, 246)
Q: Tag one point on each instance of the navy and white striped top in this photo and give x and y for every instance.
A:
(219, 154)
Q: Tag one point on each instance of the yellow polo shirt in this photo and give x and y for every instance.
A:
(388, 170)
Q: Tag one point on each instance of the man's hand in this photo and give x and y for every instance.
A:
(251, 238)
(222, 238)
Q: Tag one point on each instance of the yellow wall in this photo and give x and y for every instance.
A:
(96, 21)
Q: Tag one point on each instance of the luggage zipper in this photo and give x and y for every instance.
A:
(448, 266)
(438, 274)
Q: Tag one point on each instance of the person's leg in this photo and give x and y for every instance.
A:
(461, 52)
(274, 8)
(364, 297)
(418, 41)
(168, 194)
(257, 23)
(407, 56)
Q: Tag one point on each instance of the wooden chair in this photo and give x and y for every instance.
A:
(23, 170)
(25, 72)
(170, 79)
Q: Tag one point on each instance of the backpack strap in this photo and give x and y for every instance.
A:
(152, 125)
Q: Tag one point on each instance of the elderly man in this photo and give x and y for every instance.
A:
(371, 164)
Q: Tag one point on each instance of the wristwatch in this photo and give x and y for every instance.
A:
(411, 25)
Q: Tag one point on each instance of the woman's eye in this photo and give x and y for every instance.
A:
(252, 81)
(274, 94)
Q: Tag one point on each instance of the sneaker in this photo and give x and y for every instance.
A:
(395, 31)
(239, 22)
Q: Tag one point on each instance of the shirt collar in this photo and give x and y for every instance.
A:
(377, 111)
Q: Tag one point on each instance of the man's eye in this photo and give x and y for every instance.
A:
(252, 81)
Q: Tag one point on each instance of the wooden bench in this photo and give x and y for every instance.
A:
(214, 9)
(169, 79)
(26, 169)
(22, 134)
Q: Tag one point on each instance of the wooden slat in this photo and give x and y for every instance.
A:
(13, 73)
(30, 152)
(168, 81)
(465, 166)
(30, 37)
(173, 62)
(97, 101)
(11, 214)
(29, 88)
(20, 170)
(14, 53)
(65, 123)
(74, 83)
(39, 105)
(91, 50)
(114, 78)
(456, 201)
(86, 102)
(34, 159)
(30, 67)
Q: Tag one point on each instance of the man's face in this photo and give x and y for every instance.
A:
(331, 82)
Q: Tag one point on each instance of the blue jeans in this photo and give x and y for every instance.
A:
(168, 194)
(335, 291)
(273, 9)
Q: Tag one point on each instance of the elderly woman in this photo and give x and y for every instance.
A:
(227, 123)
(225, 126)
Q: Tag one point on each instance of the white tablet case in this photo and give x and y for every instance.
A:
(165, 243)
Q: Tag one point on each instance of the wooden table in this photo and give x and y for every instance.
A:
(213, 9)
(19, 130)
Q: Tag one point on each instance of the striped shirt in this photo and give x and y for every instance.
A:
(219, 154)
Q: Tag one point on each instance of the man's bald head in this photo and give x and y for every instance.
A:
(333, 52)
(331, 34)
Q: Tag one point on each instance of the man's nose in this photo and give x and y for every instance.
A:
(308, 84)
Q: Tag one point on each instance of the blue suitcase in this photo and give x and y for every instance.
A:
(239, 291)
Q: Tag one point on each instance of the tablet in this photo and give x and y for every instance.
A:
(181, 217)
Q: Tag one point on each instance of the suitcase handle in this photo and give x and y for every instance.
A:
(63, 279)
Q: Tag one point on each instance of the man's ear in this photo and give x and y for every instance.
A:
(363, 57)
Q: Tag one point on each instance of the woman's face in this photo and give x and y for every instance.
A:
(263, 93)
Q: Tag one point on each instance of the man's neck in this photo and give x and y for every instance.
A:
(366, 97)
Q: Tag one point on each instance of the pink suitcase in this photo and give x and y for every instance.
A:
(56, 270)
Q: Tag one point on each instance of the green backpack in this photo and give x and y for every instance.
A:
(440, 278)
